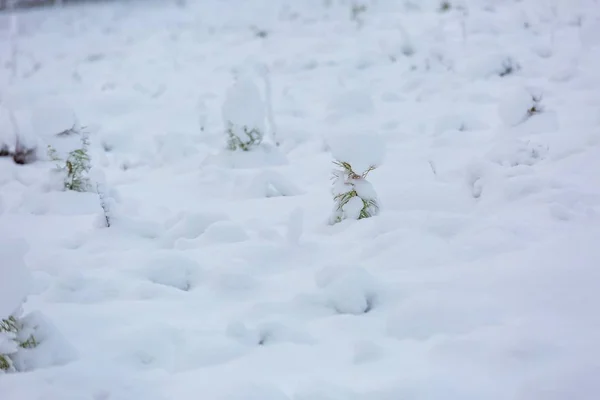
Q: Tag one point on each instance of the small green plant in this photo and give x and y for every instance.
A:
(445, 6)
(253, 137)
(356, 13)
(12, 329)
(353, 195)
(75, 167)
(536, 108)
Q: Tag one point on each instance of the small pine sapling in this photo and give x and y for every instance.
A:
(13, 336)
(353, 195)
(244, 115)
(76, 167)
(236, 140)
(16, 333)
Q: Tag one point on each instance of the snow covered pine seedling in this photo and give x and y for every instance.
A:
(244, 115)
(356, 156)
(14, 335)
(77, 165)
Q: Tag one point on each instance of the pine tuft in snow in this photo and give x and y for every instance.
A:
(244, 115)
(75, 169)
(353, 195)
(14, 287)
(356, 156)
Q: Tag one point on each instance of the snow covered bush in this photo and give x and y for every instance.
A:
(14, 284)
(353, 195)
(356, 156)
(348, 289)
(77, 165)
(14, 335)
(26, 341)
(244, 115)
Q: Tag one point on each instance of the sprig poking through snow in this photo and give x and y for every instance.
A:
(244, 115)
(353, 195)
(14, 286)
(14, 335)
(77, 165)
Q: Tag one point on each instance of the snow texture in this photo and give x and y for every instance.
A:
(514, 106)
(361, 151)
(16, 279)
(219, 277)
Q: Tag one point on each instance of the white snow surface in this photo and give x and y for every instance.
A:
(515, 105)
(361, 151)
(16, 278)
(478, 280)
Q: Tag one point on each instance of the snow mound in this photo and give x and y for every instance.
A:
(52, 348)
(190, 226)
(244, 106)
(271, 184)
(173, 147)
(515, 105)
(173, 270)
(268, 333)
(263, 155)
(350, 103)
(348, 290)
(224, 232)
(366, 351)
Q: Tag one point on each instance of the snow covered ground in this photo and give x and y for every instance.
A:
(479, 279)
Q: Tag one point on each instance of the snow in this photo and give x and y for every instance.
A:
(244, 107)
(364, 189)
(295, 226)
(361, 151)
(16, 280)
(514, 106)
(352, 208)
(219, 276)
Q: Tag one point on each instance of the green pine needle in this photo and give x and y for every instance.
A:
(370, 207)
(254, 138)
(76, 166)
(13, 326)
